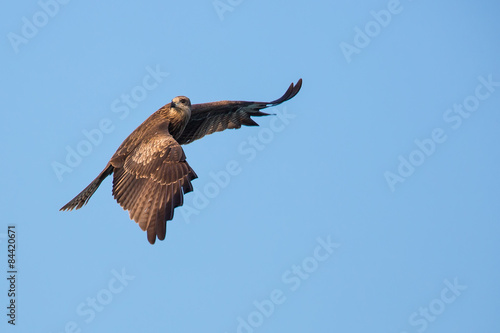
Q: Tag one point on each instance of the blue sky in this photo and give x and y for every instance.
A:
(368, 203)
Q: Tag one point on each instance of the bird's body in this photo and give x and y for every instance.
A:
(150, 172)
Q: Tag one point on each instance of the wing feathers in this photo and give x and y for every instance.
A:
(152, 182)
(289, 94)
(161, 230)
(208, 118)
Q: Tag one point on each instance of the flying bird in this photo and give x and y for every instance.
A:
(150, 172)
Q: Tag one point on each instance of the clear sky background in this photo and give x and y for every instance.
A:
(368, 204)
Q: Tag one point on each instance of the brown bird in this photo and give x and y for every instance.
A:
(150, 172)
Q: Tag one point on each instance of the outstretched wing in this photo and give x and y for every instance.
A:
(208, 118)
(151, 181)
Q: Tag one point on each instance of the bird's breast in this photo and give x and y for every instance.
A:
(177, 123)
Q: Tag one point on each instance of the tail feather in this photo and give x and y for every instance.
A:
(83, 197)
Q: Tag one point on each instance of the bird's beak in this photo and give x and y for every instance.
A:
(172, 104)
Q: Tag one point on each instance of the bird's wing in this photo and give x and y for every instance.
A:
(208, 118)
(151, 181)
(157, 122)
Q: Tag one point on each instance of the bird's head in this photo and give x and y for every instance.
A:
(181, 105)
(181, 102)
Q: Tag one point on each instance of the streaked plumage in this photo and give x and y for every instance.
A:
(150, 172)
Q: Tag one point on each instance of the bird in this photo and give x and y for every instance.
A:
(150, 171)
